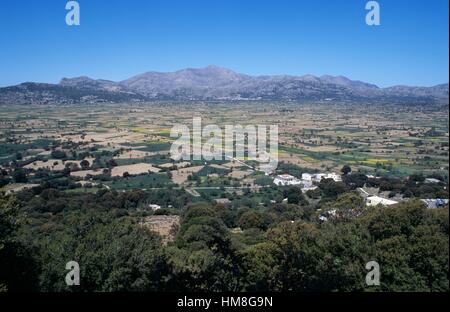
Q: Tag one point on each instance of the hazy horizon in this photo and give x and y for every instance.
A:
(280, 74)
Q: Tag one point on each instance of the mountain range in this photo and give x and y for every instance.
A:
(217, 83)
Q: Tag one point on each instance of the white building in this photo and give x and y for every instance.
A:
(307, 177)
(307, 185)
(376, 200)
(223, 201)
(336, 177)
(154, 207)
(286, 179)
(432, 180)
(319, 176)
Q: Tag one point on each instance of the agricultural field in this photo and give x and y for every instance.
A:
(111, 143)
(106, 170)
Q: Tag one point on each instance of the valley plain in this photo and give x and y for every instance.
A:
(394, 141)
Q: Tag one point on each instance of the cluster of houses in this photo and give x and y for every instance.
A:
(375, 200)
(307, 181)
(435, 203)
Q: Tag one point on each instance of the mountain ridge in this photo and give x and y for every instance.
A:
(216, 83)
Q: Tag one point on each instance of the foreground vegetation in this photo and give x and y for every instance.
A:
(281, 248)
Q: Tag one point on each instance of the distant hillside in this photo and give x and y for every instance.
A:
(216, 83)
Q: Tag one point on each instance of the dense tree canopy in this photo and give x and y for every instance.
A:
(217, 248)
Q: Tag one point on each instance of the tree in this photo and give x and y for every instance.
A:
(17, 267)
(259, 268)
(111, 163)
(416, 177)
(58, 154)
(355, 180)
(84, 164)
(203, 259)
(347, 205)
(412, 244)
(114, 255)
(294, 196)
(346, 169)
(19, 176)
(250, 219)
(4, 180)
(332, 189)
(202, 228)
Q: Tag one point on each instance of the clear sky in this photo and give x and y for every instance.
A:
(120, 38)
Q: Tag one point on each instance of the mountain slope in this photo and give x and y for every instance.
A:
(67, 92)
(216, 83)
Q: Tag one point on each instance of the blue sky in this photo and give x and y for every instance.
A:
(118, 39)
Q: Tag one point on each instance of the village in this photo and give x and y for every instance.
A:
(372, 196)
